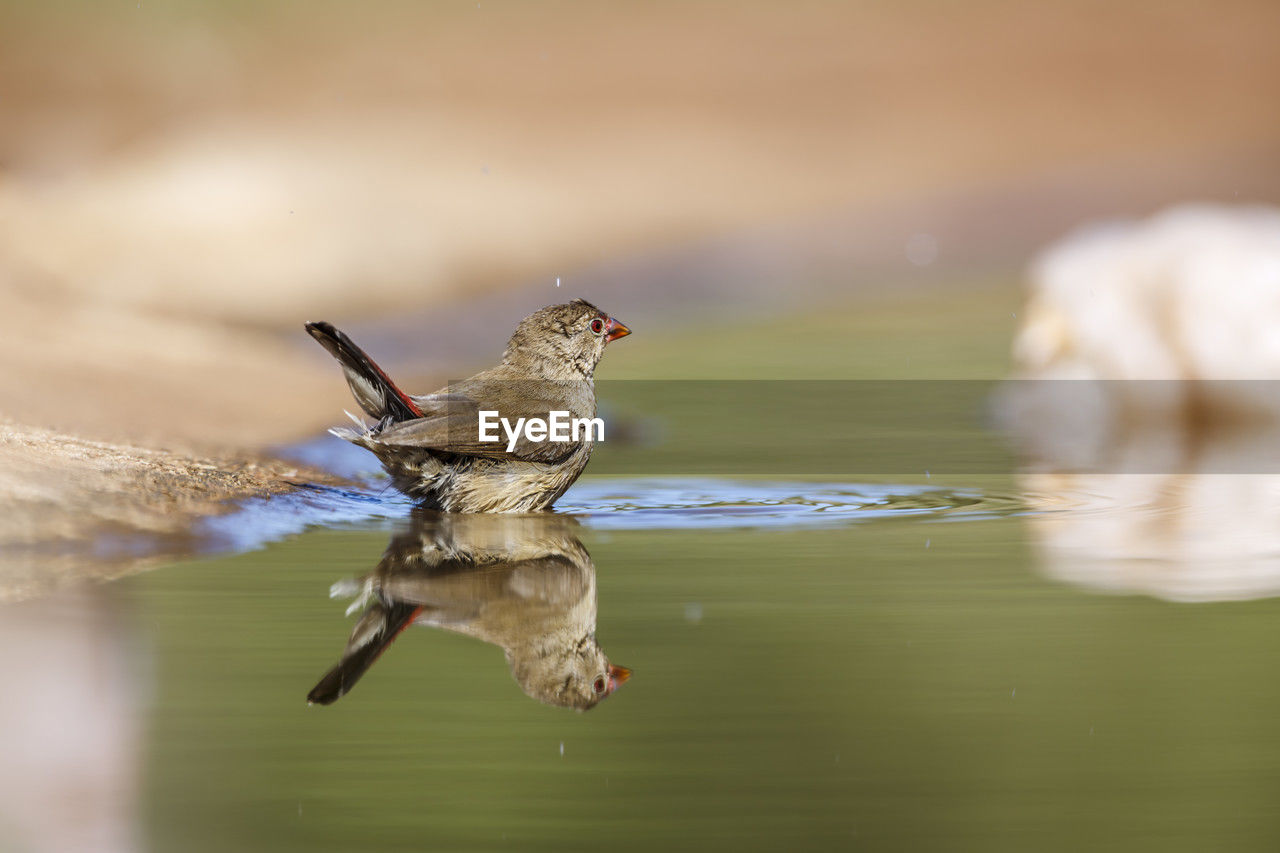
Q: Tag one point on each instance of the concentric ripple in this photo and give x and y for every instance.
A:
(628, 504)
(624, 504)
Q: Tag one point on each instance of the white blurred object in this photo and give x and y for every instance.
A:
(1191, 293)
(1168, 489)
(1189, 533)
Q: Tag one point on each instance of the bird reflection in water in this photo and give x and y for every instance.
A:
(523, 583)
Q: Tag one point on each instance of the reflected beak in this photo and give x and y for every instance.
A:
(618, 675)
(612, 331)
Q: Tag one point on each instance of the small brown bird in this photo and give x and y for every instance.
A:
(524, 583)
(430, 445)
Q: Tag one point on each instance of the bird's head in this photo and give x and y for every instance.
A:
(578, 677)
(563, 341)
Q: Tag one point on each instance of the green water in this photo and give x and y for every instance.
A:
(903, 684)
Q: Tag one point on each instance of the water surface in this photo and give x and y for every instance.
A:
(816, 665)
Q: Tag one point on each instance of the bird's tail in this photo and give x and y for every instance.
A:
(372, 388)
(373, 635)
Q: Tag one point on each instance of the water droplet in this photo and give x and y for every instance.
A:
(922, 249)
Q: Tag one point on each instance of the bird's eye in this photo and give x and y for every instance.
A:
(599, 685)
(597, 327)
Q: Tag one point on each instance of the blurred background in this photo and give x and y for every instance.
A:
(183, 183)
(920, 657)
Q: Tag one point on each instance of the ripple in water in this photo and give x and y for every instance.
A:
(630, 504)
(709, 503)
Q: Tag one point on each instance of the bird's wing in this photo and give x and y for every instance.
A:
(452, 426)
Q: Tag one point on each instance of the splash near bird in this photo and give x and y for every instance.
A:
(432, 446)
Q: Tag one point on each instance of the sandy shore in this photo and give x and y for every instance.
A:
(72, 509)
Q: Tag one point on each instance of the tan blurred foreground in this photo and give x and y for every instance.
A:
(181, 187)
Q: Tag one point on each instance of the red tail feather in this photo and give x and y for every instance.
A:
(356, 661)
(370, 385)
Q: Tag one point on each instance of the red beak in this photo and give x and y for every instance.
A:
(612, 331)
(618, 675)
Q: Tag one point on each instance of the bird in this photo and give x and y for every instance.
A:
(430, 444)
(523, 583)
